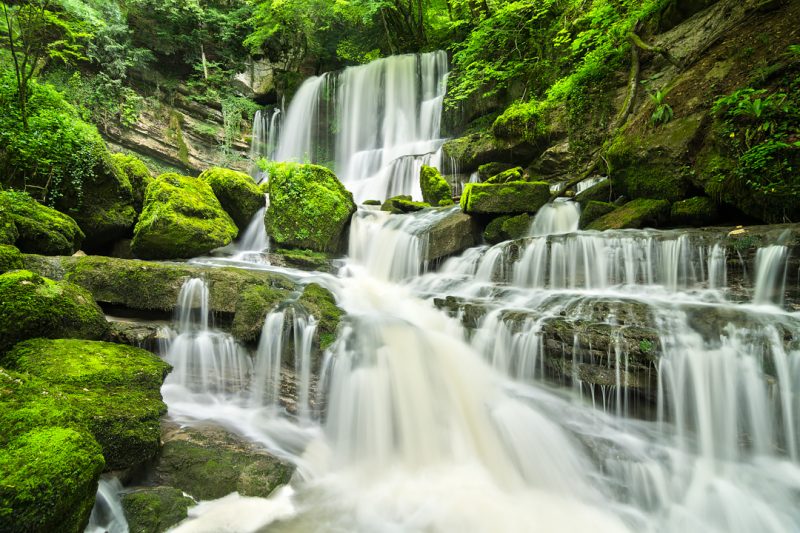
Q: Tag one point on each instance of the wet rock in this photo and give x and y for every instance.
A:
(147, 335)
(504, 198)
(639, 213)
(594, 210)
(435, 189)
(506, 228)
(694, 212)
(155, 509)
(475, 149)
(451, 235)
(398, 205)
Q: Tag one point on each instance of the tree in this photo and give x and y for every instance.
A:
(37, 31)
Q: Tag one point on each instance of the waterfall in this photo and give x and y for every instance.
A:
(770, 285)
(386, 116)
(266, 128)
(107, 514)
(556, 218)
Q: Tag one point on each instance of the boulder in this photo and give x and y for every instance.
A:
(556, 161)
(115, 389)
(237, 192)
(155, 509)
(138, 176)
(435, 189)
(181, 218)
(506, 176)
(10, 258)
(506, 228)
(488, 170)
(318, 302)
(302, 260)
(594, 210)
(35, 228)
(476, 149)
(504, 198)
(309, 207)
(600, 192)
(33, 306)
(398, 205)
(639, 213)
(694, 212)
(452, 234)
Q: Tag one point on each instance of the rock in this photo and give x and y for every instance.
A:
(181, 218)
(321, 304)
(252, 306)
(506, 228)
(656, 163)
(33, 306)
(309, 208)
(639, 213)
(488, 170)
(435, 189)
(209, 463)
(155, 509)
(506, 198)
(10, 258)
(145, 334)
(600, 192)
(38, 229)
(371, 202)
(695, 212)
(49, 480)
(512, 174)
(303, 259)
(475, 149)
(558, 160)
(138, 176)
(452, 234)
(237, 192)
(114, 388)
(594, 210)
(398, 205)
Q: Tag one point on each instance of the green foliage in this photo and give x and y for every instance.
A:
(522, 120)
(234, 110)
(663, 111)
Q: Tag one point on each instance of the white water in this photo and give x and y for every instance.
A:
(107, 513)
(266, 128)
(386, 115)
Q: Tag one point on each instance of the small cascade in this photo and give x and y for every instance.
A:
(588, 183)
(107, 514)
(555, 219)
(770, 284)
(254, 244)
(266, 129)
(387, 115)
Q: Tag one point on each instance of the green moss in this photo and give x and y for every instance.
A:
(319, 302)
(138, 176)
(697, 211)
(39, 229)
(507, 228)
(522, 120)
(237, 192)
(399, 205)
(488, 170)
(309, 208)
(10, 258)
(156, 509)
(474, 149)
(505, 198)
(594, 210)
(252, 307)
(371, 202)
(600, 192)
(511, 174)
(8, 230)
(639, 213)
(305, 259)
(48, 480)
(33, 306)
(181, 218)
(435, 189)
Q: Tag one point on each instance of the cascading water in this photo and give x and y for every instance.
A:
(387, 115)
(107, 514)
(266, 128)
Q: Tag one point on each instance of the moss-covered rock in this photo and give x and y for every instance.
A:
(48, 480)
(488, 170)
(237, 192)
(181, 218)
(475, 149)
(507, 228)
(33, 306)
(371, 202)
(435, 189)
(656, 164)
(209, 464)
(252, 307)
(8, 230)
(523, 121)
(697, 211)
(114, 388)
(397, 205)
(639, 213)
(320, 303)
(504, 198)
(309, 207)
(138, 176)
(39, 229)
(10, 258)
(594, 210)
(305, 259)
(155, 509)
(599, 192)
(506, 176)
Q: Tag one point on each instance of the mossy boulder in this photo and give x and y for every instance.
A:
(35, 228)
(320, 303)
(138, 176)
(657, 163)
(594, 210)
(697, 211)
(504, 198)
(487, 170)
(435, 189)
(371, 202)
(114, 388)
(309, 207)
(252, 307)
(155, 509)
(237, 192)
(305, 259)
(481, 147)
(451, 234)
(48, 480)
(10, 258)
(33, 306)
(639, 213)
(506, 176)
(398, 205)
(181, 218)
(599, 192)
(212, 463)
(507, 228)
